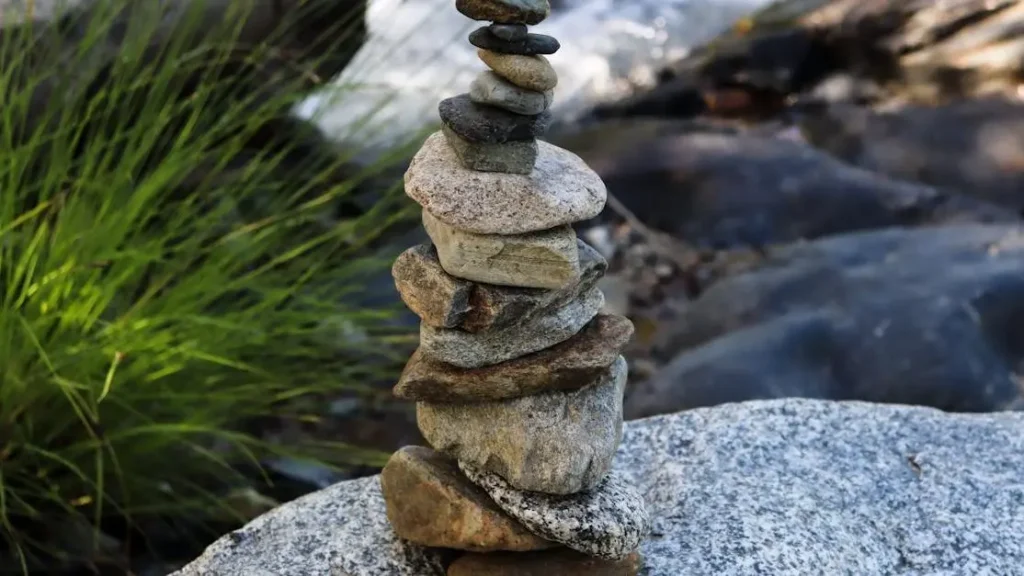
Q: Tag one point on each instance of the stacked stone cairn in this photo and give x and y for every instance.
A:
(519, 378)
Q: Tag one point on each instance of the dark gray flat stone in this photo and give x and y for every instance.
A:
(532, 45)
(481, 123)
(505, 11)
(509, 32)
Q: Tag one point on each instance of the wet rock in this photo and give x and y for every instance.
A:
(509, 32)
(469, 350)
(529, 72)
(487, 124)
(930, 317)
(513, 157)
(544, 259)
(431, 503)
(505, 11)
(532, 44)
(557, 443)
(608, 521)
(562, 189)
(571, 365)
(489, 88)
(548, 563)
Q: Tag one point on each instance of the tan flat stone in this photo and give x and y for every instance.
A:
(545, 259)
(431, 503)
(529, 72)
(561, 190)
(571, 365)
(547, 563)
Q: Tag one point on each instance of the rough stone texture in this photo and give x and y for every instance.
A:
(547, 563)
(509, 32)
(530, 72)
(559, 442)
(544, 259)
(491, 89)
(514, 157)
(533, 44)
(608, 521)
(781, 487)
(444, 301)
(487, 124)
(570, 365)
(560, 190)
(431, 503)
(505, 11)
(468, 350)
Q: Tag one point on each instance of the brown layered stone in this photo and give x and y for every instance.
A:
(444, 301)
(570, 365)
(431, 503)
(548, 563)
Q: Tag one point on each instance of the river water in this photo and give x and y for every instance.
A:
(418, 54)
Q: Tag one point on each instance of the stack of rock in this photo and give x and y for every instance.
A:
(519, 377)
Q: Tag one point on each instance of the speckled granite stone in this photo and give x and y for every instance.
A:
(608, 521)
(781, 487)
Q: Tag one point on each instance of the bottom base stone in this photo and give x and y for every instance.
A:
(548, 563)
(515, 157)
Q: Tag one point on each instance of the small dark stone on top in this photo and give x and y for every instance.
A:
(532, 45)
(509, 32)
(482, 123)
(505, 11)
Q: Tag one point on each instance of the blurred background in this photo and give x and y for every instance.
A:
(200, 202)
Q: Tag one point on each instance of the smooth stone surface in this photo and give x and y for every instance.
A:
(468, 350)
(530, 72)
(547, 563)
(782, 487)
(505, 11)
(509, 32)
(493, 90)
(431, 503)
(513, 157)
(481, 123)
(533, 44)
(608, 521)
(558, 442)
(561, 190)
(444, 301)
(571, 365)
(545, 259)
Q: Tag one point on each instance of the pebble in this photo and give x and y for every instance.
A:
(493, 90)
(479, 123)
(609, 521)
(562, 189)
(556, 442)
(509, 32)
(530, 72)
(571, 365)
(505, 11)
(431, 503)
(465, 350)
(548, 563)
(515, 157)
(544, 259)
(531, 45)
(444, 301)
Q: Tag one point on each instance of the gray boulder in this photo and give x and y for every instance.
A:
(783, 487)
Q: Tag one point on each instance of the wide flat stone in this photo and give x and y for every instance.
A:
(561, 190)
(444, 301)
(571, 365)
(513, 157)
(557, 442)
(608, 521)
(487, 124)
(532, 44)
(469, 350)
(530, 72)
(544, 259)
(509, 32)
(547, 563)
(505, 11)
(431, 503)
(493, 90)
(782, 487)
